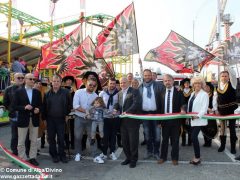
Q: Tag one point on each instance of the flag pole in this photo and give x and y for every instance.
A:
(139, 58)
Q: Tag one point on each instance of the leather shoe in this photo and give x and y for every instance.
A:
(161, 161)
(55, 159)
(132, 164)
(195, 162)
(237, 158)
(126, 162)
(33, 162)
(64, 159)
(175, 162)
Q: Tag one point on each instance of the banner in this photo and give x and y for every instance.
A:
(81, 60)
(119, 38)
(179, 54)
(172, 116)
(58, 51)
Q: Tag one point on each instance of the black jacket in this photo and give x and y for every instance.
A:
(9, 94)
(131, 103)
(20, 101)
(66, 99)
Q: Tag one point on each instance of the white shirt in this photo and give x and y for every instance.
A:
(171, 98)
(105, 97)
(149, 104)
(83, 99)
(124, 94)
(29, 94)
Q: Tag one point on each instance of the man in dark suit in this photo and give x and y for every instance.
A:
(173, 102)
(27, 103)
(129, 102)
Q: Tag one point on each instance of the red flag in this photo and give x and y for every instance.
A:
(56, 52)
(82, 60)
(179, 54)
(119, 38)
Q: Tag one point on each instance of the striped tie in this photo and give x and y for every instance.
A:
(168, 101)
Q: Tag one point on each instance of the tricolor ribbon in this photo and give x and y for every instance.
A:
(23, 163)
(172, 116)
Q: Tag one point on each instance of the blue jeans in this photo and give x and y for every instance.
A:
(152, 136)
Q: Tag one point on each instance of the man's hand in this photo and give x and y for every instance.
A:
(28, 107)
(217, 113)
(81, 110)
(195, 117)
(115, 112)
(183, 112)
(36, 110)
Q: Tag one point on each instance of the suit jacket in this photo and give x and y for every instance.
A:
(20, 101)
(131, 103)
(158, 88)
(177, 104)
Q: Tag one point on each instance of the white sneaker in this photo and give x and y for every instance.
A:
(102, 156)
(77, 157)
(98, 160)
(113, 156)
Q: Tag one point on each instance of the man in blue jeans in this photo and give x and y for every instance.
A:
(151, 104)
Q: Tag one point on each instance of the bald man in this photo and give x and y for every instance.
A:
(129, 102)
(27, 102)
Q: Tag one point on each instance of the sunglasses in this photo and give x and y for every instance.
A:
(91, 85)
(20, 78)
(31, 79)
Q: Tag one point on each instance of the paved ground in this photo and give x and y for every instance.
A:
(214, 165)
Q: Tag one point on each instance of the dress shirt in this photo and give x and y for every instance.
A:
(171, 100)
(149, 104)
(29, 93)
(124, 94)
(105, 97)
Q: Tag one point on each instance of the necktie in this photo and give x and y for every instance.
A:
(168, 101)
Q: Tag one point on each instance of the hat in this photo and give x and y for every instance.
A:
(210, 85)
(68, 78)
(184, 80)
(88, 73)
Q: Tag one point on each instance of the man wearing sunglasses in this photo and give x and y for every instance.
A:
(27, 102)
(82, 101)
(8, 103)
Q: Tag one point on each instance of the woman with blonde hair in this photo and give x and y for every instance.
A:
(198, 103)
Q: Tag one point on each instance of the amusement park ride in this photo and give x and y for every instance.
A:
(34, 33)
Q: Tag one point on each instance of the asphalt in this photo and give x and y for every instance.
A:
(214, 166)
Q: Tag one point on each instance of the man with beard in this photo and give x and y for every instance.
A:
(151, 91)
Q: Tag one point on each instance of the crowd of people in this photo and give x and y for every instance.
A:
(67, 116)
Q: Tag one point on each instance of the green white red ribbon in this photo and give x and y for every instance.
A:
(24, 164)
(172, 116)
